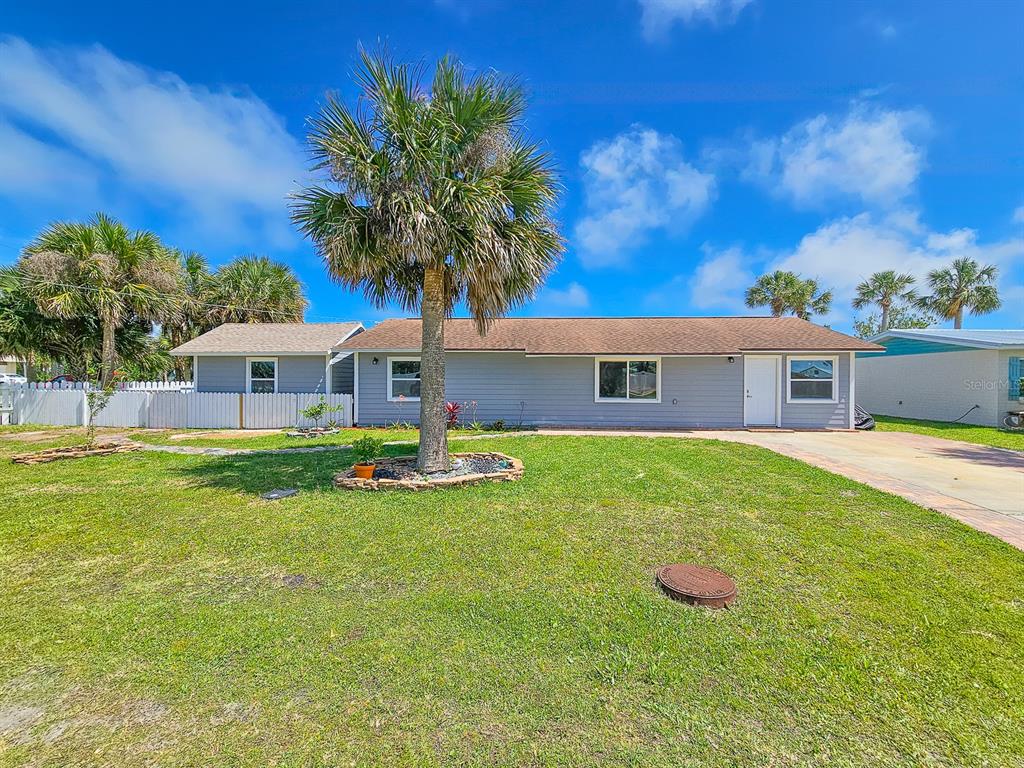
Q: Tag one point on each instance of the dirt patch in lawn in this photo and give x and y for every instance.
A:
(225, 434)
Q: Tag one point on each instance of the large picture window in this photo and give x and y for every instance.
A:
(620, 379)
(261, 375)
(812, 379)
(404, 378)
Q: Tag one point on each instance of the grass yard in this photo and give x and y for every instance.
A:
(217, 438)
(154, 611)
(998, 438)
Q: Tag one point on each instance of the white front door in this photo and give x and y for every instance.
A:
(761, 390)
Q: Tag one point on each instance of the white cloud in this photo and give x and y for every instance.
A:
(1018, 215)
(222, 157)
(659, 16)
(573, 296)
(717, 284)
(869, 154)
(843, 252)
(33, 169)
(636, 183)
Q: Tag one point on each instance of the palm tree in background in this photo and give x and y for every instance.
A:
(807, 301)
(101, 269)
(194, 316)
(253, 289)
(774, 290)
(434, 197)
(964, 286)
(885, 289)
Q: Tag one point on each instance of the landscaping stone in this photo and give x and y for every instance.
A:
(399, 473)
(74, 452)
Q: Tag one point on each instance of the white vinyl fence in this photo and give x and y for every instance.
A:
(165, 408)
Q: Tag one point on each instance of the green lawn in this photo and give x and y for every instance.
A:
(152, 613)
(216, 438)
(998, 438)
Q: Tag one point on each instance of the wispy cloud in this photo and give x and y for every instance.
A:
(636, 183)
(716, 285)
(869, 154)
(659, 16)
(221, 158)
(573, 297)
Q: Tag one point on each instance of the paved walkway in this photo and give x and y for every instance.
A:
(980, 486)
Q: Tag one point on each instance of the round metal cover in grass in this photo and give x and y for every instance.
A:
(697, 585)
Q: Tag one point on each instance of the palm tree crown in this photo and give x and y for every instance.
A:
(783, 292)
(434, 198)
(885, 289)
(255, 289)
(99, 268)
(963, 286)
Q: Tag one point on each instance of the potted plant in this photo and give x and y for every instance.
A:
(366, 449)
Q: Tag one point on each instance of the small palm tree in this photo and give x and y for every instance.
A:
(254, 289)
(101, 269)
(885, 289)
(963, 286)
(435, 197)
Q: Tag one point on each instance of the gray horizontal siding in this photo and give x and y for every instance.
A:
(819, 415)
(298, 373)
(342, 375)
(696, 392)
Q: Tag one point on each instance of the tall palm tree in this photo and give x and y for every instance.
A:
(774, 290)
(254, 289)
(885, 289)
(101, 269)
(435, 197)
(963, 286)
(807, 301)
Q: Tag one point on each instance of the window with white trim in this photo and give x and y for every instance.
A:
(261, 375)
(403, 378)
(627, 380)
(812, 379)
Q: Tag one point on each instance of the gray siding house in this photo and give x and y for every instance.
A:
(272, 357)
(944, 374)
(692, 372)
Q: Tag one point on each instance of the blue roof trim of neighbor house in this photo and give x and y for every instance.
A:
(898, 346)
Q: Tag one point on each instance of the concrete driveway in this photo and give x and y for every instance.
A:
(980, 486)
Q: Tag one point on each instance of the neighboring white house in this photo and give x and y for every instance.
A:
(941, 374)
(12, 364)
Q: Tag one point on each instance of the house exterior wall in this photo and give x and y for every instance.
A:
(342, 374)
(295, 373)
(696, 392)
(938, 385)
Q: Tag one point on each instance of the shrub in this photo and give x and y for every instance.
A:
(497, 426)
(366, 449)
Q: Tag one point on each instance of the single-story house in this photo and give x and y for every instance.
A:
(699, 372)
(943, 374)
(272, 357)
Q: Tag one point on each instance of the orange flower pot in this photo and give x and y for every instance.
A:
(364, 471)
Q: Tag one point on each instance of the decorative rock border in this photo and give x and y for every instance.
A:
(348, 481)
(74, 452)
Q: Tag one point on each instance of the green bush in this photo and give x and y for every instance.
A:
(366, 449)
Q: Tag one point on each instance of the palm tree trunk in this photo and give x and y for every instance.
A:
(958, 319)
(108, 355)
(884, 326)
(433, 456)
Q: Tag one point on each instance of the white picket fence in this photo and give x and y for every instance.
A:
(167, 409)
(121, 386)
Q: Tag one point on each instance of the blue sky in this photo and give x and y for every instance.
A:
(700, 142)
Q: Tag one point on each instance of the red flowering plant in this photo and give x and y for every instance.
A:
(451, 411)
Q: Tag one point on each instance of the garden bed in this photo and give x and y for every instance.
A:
(313, 432)
(400, 473)
(74, 452)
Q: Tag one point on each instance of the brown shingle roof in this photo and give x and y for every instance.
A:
(265, 338)
(619, 336)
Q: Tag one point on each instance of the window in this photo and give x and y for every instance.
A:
(1015, 376)
(404, 378)
(261, 375)
(618, 379)
(812, 379)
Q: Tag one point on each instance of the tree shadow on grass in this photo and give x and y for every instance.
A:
(261, 472)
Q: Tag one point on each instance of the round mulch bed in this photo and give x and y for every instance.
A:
(400, 473)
